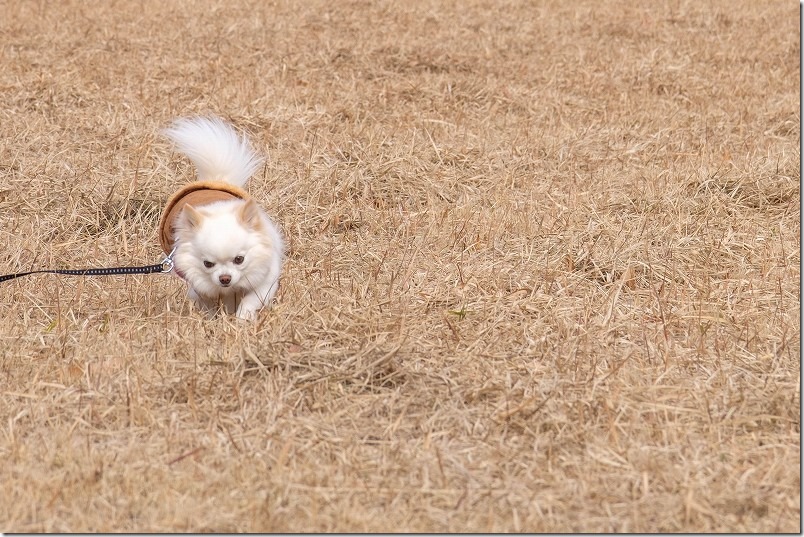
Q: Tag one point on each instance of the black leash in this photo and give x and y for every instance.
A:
(163, 267)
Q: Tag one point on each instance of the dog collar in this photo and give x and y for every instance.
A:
(195, 194)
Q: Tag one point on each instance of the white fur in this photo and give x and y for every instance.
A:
(220, 232)
(218, 153)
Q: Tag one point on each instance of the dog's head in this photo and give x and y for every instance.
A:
(222, 247)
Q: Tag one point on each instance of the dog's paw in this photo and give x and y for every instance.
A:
(250, 306)
(249, 314)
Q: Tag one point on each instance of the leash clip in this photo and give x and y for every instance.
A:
(167, 263)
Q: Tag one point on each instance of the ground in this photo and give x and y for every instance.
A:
(543, 268)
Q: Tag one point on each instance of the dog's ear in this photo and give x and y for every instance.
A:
(249, 215)
(192, 218)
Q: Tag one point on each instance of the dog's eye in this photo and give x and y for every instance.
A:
(209, 264)
(239, 259)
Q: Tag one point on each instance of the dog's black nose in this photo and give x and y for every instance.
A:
(225, 279)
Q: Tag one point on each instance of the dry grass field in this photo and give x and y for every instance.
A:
(543, 269)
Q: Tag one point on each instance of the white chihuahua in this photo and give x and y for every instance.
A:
(225, 247)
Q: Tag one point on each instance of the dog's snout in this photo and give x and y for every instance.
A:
(225, 279)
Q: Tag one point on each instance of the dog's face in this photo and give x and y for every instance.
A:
(223, 248)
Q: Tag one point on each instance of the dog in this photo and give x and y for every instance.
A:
(224, 245)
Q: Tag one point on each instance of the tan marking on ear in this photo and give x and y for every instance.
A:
(249, 215)
(192, 217)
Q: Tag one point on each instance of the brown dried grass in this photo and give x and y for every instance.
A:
(544, 268)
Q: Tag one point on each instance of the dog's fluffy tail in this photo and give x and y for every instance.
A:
(218, 152)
